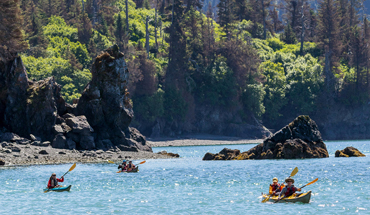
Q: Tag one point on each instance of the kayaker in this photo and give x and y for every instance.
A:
(130, 166)
(53, 181)
(289, 189)
(123, 166)
(275, 187)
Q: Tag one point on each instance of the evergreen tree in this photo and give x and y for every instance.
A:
(329, 40)
(11, 26)
(288, 36)
(226, 15)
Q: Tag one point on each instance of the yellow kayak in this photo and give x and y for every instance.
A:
(303, 198)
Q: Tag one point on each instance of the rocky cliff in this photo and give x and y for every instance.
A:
(300, 139)
(34, 111)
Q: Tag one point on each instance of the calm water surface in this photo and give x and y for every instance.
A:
(191, 186)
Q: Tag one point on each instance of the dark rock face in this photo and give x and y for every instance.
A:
(2, 163)
(300, 139)
(349, 152)
(33, 112)
(106, 106)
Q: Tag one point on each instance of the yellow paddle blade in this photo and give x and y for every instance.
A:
(119, 171)
(109, 161)
(312, 182)
(72, 167)
(142, 162)
(295, 170)
(265, 200)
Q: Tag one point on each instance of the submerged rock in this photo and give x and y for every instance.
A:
(349, 152)
(300, 139)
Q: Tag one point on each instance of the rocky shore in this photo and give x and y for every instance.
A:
(16, 154)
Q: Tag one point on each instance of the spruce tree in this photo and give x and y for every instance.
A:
(329, 40)
(11, 29)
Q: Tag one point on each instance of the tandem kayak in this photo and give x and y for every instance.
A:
(134, 170)
(303, 198)
(59, 189)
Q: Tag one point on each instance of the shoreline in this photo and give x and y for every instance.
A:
(14, 154)
(200, 140)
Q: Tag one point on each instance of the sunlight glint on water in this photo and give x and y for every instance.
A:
(190, 185)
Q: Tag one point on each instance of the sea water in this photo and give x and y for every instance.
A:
(189, 185)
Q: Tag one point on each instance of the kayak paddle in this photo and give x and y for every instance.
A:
(142, 162)
(294, 172)
(70, 169)
(312, 182)
(109, 161)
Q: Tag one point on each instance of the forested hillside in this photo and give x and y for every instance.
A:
(196, 64)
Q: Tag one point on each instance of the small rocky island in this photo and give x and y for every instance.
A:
(300, 139)
(38, 126)
(349, 152)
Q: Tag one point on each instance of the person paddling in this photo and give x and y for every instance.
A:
(53, 181)
(275, 187)
(289, 189)
(130, 166)
(123, 166)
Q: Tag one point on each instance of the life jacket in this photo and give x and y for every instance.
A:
(290, 190)
(53, 182)
(275, 187)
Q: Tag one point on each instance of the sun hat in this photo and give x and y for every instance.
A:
(275, 179)
(289, 179)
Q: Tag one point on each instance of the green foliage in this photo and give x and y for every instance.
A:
(275, 43)
(304, 83)
(57, 27)
(149, 108)
(275, 89)
(252, 99)
(218, 86)
(174, 104)
(40, 68)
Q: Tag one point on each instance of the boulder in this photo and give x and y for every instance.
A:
(7, 151)
(71, 144)
(42, 152)
(349, 152)
(59, 142)
(14, 148)
(87, 142)
(35, 138)
(105, 102)
(2, 163)
(169, 154)
(79, 124)
(300, 139)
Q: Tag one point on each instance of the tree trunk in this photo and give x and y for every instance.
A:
(264, 19)
(127, 26)
(155, 27)
(302, 32)
(147, 36)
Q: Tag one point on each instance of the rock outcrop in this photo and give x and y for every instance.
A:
(105, 103)
(349, 152)
(34, 111)
(169, 154)
(300, 139)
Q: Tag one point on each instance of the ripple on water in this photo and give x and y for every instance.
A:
(190, 185)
